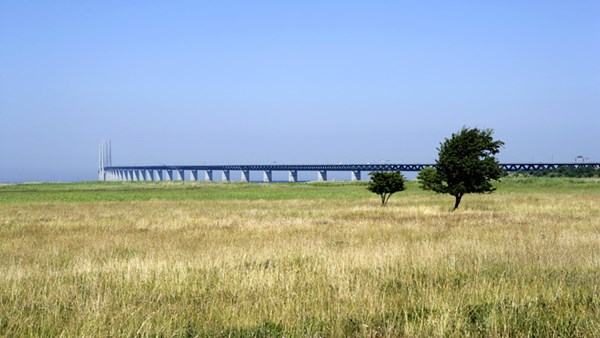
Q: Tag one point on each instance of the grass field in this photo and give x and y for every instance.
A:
(214, 259)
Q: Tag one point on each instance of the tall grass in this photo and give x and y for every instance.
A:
(298, 260)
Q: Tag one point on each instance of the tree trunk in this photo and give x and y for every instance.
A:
(457, 201)
(382, 200)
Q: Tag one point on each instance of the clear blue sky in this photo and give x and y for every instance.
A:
(192, 82)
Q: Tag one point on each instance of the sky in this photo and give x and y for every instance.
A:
(249, 82)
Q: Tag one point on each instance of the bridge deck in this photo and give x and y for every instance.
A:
(510, 167)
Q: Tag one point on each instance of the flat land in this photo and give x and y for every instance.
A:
(305, 259)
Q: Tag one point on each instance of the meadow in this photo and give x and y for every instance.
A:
(300, 260)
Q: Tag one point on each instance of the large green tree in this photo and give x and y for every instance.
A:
(385, 184)
(466, 164)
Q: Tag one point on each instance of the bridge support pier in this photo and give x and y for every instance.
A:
(208, 175)
(148, 175)
(180, 175)
(293, 176)
(158, 175)
(169, 175)
(355, 175)
(267, 176)
(322, 175)
(245, 175)
(193, 175)
(225, 176)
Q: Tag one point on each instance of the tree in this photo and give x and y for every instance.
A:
(465, 164)
(385, 184)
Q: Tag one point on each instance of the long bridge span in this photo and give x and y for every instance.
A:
(109, 172)
(206, 172)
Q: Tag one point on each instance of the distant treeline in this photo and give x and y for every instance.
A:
(561, 172)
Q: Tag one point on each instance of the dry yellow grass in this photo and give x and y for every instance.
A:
(508, 264)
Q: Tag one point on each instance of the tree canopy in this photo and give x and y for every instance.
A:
(385, 184)
(466, 164)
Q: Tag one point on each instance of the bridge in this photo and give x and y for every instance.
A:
(178, 172)
(108, 172)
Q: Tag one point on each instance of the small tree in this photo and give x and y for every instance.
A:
(385, 184)
(466, 164)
